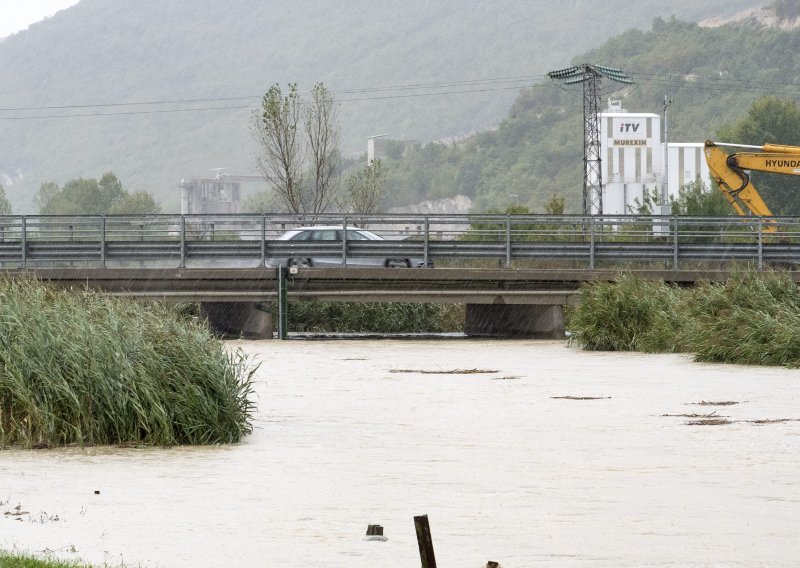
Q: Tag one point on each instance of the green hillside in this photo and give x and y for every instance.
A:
(713, 74)
(225, 54)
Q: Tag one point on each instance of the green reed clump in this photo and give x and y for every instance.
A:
(16, 560)
(753, 318)
(78, 368)
(342, 317)
(628, 314)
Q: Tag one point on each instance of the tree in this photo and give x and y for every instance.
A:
(43, 199)
(770, 120)
(280, 157)
(300, 166)
(696, 198)
(365, 189)
(88, 196)
(555, 205)
(139, 203)
(5, 206)
(323, 133)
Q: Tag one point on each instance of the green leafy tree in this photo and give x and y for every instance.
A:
(281, 154)
(651, 200)
(483, 230)
(555, 205)
(139, 203)
(299, 147)
(696, 198)
(323, 135)
(5, 205)
(88, 196)
(775, 121)
(365, 189)
(47, 194)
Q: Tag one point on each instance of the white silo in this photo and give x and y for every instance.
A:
(631, 156)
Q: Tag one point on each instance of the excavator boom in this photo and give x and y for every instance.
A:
(730, 171)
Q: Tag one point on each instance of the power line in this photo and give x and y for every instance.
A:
(680, 80)
(513, 81)
(123, 113)
(236, 107)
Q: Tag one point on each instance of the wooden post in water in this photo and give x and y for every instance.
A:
(425, 542)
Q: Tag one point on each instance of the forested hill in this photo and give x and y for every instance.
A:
(713, 76)
(225, 54)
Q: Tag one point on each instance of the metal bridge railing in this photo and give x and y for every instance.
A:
(501, 240)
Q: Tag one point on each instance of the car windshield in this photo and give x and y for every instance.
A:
(317, 235)
(334, 235)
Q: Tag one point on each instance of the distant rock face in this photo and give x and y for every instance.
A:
(764, 15)
(449, 205)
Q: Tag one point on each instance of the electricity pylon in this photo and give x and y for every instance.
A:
(589, 76)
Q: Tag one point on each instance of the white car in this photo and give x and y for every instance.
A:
(322, 246)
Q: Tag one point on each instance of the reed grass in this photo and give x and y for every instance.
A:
(345, 317)
(79, 368)
(8, 560)
(628, 314)
(753, 318)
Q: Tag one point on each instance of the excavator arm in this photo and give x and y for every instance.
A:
(730, 173)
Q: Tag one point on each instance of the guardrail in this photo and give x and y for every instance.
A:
(508, 240)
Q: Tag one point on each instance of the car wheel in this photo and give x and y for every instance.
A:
(397, 263)
(299, 262)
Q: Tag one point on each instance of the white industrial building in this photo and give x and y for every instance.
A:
(632, 161)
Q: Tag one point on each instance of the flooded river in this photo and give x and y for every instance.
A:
(504, 470)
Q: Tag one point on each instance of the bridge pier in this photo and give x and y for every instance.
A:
(515, 321)
(250, 320)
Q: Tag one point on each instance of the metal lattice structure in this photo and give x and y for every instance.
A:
(589, 76)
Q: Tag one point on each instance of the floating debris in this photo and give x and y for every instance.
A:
(446, 372)
(709, 422)
(714, 419)
(696, 415)
(508, 378)
(711, 403)
(17, 512)
(582, 397)
(771, 420)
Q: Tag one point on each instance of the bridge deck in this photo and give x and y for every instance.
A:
(438, 285)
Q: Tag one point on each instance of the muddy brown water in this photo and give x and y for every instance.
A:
(504, 470)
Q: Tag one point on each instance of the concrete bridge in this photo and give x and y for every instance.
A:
(225, 262)
(500, 302)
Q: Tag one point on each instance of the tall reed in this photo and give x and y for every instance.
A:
(628, 314)
(79, 368)
(375, 317)
(753, 318)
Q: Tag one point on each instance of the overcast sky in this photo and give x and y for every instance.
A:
(16, 15)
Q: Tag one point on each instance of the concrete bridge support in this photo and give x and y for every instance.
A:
(515, 320)
(238, 319)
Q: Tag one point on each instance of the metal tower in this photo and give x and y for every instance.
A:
(589, 76)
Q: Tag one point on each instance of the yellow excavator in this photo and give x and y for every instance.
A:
(730, 173)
